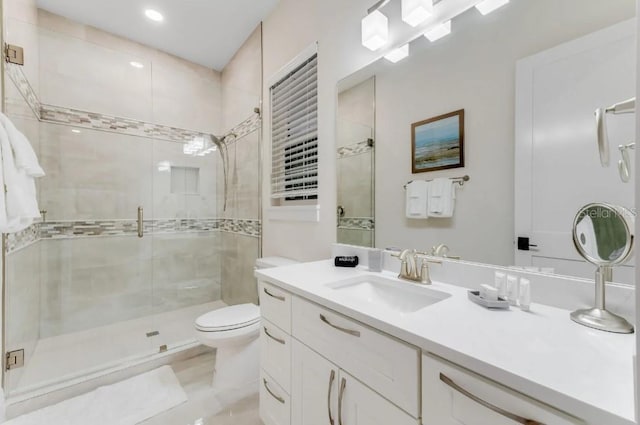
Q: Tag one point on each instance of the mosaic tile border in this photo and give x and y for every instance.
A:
(22, 239)
(241, 227)
(354, 149)
(356, 223)
(97, 121)
(84, 228)
(246, 127)
(102, 228)
(104, 122)
(16, 74)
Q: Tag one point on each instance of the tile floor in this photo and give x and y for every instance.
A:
(203, 406)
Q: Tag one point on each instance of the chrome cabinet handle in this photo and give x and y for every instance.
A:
(266, 331)
(519, 419)
(343, 385)
(331, 379)
(266, 386)
(347, 331)
(277, 297)
(140, 222)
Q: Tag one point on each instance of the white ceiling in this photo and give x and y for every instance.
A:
(207, 32)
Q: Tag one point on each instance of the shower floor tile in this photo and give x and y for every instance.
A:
(65, 357)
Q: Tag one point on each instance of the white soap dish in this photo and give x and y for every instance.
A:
(501, 304)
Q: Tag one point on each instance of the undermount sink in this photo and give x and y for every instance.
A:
(389, 294)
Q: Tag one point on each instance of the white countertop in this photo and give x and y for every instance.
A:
(541, 353)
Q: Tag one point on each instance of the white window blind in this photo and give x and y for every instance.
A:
(294, 133)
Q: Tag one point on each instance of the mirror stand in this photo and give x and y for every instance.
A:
(598, 317)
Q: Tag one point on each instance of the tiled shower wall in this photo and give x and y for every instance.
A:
(108, 137)
(241, 92)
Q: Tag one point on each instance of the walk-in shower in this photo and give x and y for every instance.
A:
(91, 288)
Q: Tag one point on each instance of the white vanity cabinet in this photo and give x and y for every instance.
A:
(385, 364)
(322, 394)
(453, 396)
(319, 367)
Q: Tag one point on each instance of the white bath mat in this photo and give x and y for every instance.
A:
(125, 403)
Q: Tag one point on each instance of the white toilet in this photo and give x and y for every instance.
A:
(234, 332)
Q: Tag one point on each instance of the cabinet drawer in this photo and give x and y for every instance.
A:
(387, 365)
(275, 306)
(275, 404)
(453, 396)
(275, 354)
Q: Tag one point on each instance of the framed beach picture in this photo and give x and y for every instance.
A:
(438, 143)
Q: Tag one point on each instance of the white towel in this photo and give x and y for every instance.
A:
(19, 205)
(24, 156)
(417, 197)
(442, 195)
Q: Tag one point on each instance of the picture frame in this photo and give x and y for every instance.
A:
(438, 143)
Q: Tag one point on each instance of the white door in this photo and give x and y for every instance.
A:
(360, 405)
(557, 163)
(314, 387)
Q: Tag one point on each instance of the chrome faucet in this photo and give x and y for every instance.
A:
(409, 266)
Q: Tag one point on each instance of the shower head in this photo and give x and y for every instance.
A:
(216, 141)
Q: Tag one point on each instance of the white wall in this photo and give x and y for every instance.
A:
(490, 41)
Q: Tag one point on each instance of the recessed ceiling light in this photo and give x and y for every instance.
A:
(154, 15)
(136, 65)
(75, 130)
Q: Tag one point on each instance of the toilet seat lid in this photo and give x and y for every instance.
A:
(229, 318)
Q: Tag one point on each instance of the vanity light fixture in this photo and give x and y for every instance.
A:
(154, 15)
(415, 12)
(136, 64)
(487, 6)
(398, 54)
(375, 30)
(439, 31)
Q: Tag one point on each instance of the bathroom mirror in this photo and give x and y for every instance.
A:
(355, 158)
(529, 86)
(603, 234)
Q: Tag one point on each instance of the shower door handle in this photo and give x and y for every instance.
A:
(140, 222)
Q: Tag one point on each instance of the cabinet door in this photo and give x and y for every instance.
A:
(360, 405)
(452, 396)
(314, 387)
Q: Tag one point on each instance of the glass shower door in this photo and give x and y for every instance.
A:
(79, 284)
(185, 239)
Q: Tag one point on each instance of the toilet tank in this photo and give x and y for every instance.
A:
(269, 262)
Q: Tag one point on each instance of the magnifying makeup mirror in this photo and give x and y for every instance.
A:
(603, 235)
